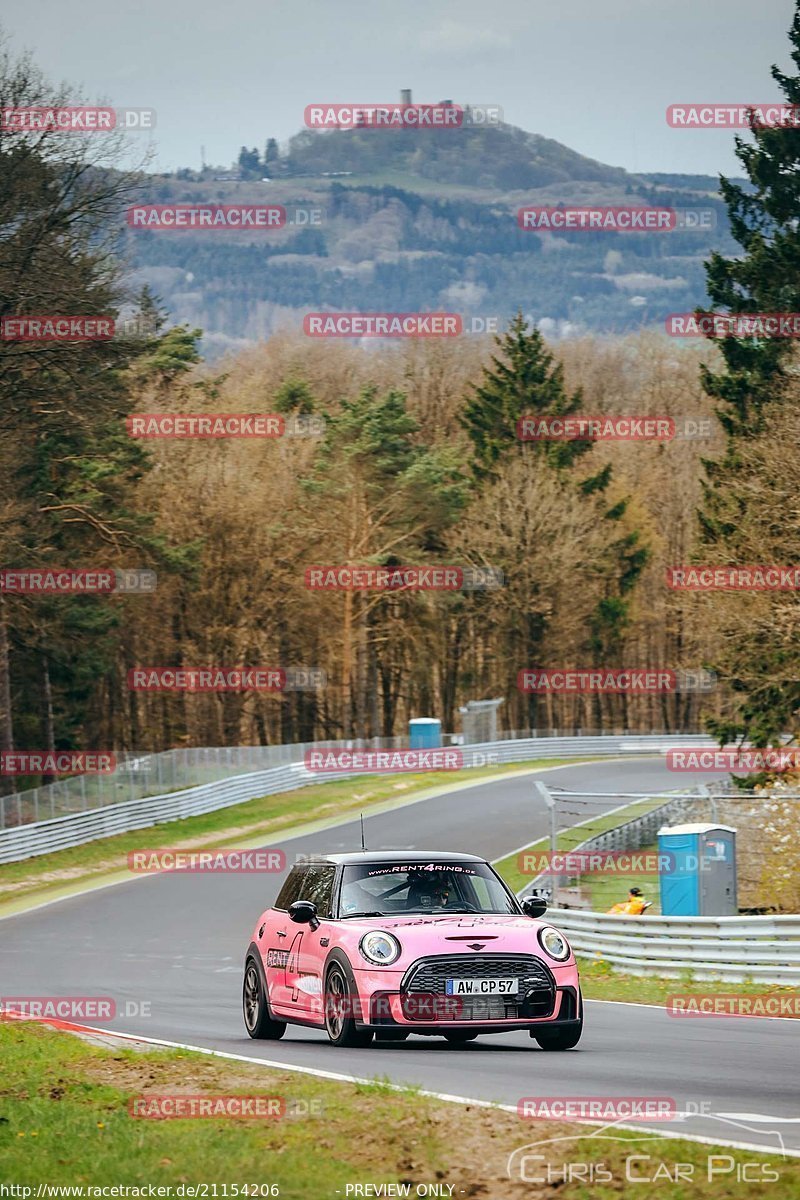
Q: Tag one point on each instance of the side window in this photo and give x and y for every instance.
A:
(318, 888)
(291, 888)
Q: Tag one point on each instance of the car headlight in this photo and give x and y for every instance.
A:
(554, 943)
(379, 947)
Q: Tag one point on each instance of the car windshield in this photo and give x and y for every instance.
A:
(385, 889)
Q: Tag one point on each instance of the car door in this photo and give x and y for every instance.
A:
(280, 935)
(312, 948)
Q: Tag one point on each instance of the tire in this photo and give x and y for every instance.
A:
(561, 1039)
(459, 1037)
(391, 1035)
(258, 1020)
(339, 1024)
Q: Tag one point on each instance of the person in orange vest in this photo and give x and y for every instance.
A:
(634, 906)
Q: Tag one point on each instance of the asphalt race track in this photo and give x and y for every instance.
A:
(176, 941)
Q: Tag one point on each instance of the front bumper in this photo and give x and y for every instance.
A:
(416, 999)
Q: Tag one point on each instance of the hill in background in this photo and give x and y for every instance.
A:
(425, 221)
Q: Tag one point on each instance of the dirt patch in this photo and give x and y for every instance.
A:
(466, 1146)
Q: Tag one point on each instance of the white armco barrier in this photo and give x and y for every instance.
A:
(21, 839)
(763, 949)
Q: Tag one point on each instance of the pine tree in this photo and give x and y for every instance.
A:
(524, 380)
(756, 378)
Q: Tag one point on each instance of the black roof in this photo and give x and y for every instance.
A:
(397, 856)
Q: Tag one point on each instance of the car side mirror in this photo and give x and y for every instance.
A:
(534, 906)
(304, 912)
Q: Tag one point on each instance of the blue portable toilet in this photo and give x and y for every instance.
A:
(424, 733)
(700, 878)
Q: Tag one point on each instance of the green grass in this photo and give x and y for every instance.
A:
(256, 819)
(601, 981)
(64, 1120)
(604, 890)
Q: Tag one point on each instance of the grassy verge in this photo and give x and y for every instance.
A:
(604, 890)
(64, 1120)
(601, 981)
(255, 821)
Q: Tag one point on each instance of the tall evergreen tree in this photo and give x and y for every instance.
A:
(524, 380)
(765, 220)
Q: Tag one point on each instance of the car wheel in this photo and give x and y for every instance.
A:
(458, 1037)
(561, 1039)
(339, 1024)
(257, 1018)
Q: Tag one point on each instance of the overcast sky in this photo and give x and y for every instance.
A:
(594, 74)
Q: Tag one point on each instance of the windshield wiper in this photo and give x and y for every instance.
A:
(367, 914)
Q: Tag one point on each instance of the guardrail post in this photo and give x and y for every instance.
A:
(550, 801)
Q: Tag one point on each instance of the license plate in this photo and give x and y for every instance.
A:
(482, 987)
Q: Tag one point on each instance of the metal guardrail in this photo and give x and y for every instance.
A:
(30, 838)
(141, 773)
(761, 949)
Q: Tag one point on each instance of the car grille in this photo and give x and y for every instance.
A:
(428, 977)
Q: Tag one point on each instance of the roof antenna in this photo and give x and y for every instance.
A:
(363, 845)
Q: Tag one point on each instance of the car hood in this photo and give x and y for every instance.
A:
(456, 933)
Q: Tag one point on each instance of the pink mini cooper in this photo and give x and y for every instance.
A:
(388, 943)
